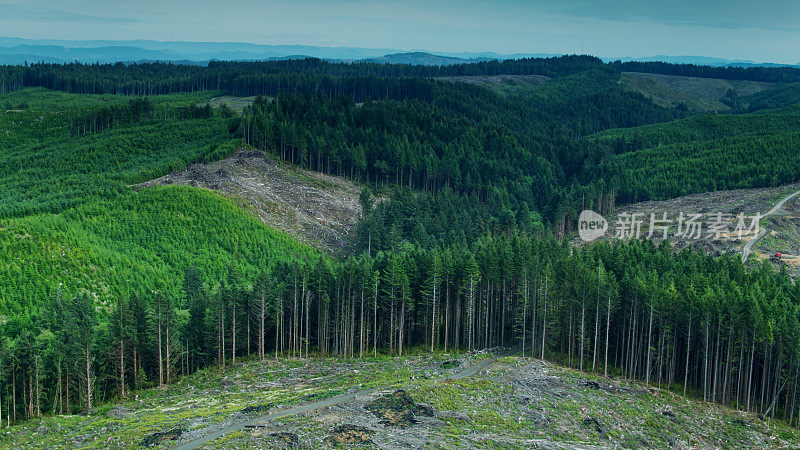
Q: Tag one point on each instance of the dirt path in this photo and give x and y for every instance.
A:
(747, 249)
(342, 398)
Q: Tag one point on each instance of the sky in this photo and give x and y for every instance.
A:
(761, 31)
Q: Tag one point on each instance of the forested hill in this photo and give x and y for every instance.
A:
(104, 287)
(328, 78)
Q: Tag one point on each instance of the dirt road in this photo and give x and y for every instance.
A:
(466, 372)
(747, 249)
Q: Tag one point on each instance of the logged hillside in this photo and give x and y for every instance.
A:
(777, 232)
(414, 401)
(319, 210)
(693, 93)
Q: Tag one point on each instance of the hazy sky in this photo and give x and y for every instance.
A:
(759, 30)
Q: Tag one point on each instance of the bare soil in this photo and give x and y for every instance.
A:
(783, 238)
(507, 84)
(784, 224)
(320, 210)
(236, 104)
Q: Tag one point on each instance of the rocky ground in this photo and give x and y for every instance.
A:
(521, 403)
(317, 209)
(783, 238)
(409, 402)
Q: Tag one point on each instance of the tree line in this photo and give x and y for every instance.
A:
(766, 74)
(688, 322)
(312, 75)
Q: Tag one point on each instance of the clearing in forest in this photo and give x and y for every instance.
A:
(698, 94)
(318, 209)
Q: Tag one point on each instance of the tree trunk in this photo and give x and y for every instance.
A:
(121, 368)
(88, 379)
(608, 328)
(433, 310)
(160, 360)
(649, 339)
(688, 343)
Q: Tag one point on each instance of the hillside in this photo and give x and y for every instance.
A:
(319, 210)
(70, 220)
(701, 153)
(697, 94)
(778, 231)
(425, 400)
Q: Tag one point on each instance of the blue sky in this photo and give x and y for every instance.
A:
(766, 30)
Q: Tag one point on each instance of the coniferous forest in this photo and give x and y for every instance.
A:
(470, 195)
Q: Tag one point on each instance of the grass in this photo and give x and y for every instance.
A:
(215, 396)
(518, 403)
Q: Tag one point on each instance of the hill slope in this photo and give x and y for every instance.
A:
(69, 218)
(431, 400)
(697, 94)
(320, 210)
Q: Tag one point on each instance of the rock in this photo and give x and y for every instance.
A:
(257, 408)
(395, 409)
(350, 434)
(152, 440)
(423, 409)
(452, 364)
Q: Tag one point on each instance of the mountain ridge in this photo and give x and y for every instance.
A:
(17, 51)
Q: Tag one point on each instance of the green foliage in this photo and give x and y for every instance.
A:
(122, 279)
(703, 153)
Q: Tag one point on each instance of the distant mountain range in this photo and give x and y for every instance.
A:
(702, 61)
(20, 51)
